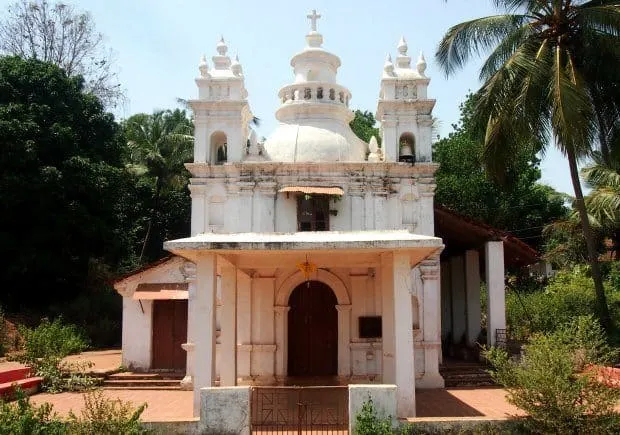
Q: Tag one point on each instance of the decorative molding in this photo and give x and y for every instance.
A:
(331, 280)
(343, 308)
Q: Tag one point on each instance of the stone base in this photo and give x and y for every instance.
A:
(187, 383)
(430, 381)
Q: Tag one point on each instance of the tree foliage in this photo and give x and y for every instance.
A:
(60, 34)
(363, 125)
(520, 204)
(63, 185)
(550, 77)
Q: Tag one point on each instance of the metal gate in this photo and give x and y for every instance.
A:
(300, 410)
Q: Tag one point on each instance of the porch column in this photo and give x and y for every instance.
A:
(430, 271)
(403, 334)
(202, 326)
(281, 325)
(386, 278)
(472, 291)
(228, 369)
(189, 271)
(457, 279)
(344, 340)
(494, 265)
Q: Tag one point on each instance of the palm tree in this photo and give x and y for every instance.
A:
(159, 145)
(551, 76)
(603, 202)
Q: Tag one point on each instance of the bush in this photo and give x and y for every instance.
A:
(106, 416)
(44, 349)
(569, 294)
(24, 418)
(99, 416)
(3, 333)
(52, 339)
(549, 385)
(367, 422)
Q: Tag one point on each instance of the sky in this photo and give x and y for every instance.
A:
(158, 45)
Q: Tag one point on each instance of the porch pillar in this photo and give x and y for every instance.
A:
(189, 272)
(228, 369)
(403, 334)
(344, 340)
(457, 280)
(386, 278)
(430, 271)
(202, 306)
(494, 265)
(472, 291)
(281, 324)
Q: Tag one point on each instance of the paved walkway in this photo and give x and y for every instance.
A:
(166, 405)
(103, 361)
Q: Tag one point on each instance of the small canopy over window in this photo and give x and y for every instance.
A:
(164, 291)
(313, 190)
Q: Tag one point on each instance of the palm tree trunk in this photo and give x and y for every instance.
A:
(601, 299)
(149, 228)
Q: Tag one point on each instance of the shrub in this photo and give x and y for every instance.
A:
(548, 384)
(569, 294)
(44, 349)
(3, 333)
(367, 422)
(106, 416)
(52, 339)
(24, 418)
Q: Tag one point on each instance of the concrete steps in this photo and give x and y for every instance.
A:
(466, 374)
(11, 380)
(143, 381)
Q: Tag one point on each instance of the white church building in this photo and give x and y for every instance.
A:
(315, 257)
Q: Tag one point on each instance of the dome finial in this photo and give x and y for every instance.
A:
(222, 48)
(402, 46)
(236, 66)
(421, 65)
(203, 66)
(388, 67)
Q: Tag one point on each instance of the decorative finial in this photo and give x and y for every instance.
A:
(236, 66)
(373, 146)
(388, 67)
(222, 48)
(402, 46)
(203, 66)
(421, 65)
(313, 17)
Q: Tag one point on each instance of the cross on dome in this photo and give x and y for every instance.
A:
(313, 17)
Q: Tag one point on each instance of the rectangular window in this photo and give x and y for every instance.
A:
(312, 213)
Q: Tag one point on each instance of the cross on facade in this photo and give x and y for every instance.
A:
(313, 17)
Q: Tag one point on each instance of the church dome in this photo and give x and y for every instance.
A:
(314, 114)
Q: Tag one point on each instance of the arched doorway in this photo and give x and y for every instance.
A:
(312, 331)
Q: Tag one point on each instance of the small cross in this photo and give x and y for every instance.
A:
(313, 17)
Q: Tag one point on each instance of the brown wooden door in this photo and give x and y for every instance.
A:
(312, 331)
(169, 332)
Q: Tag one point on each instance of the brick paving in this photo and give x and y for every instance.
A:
(166, 405)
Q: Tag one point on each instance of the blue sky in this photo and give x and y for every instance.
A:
(158, 44)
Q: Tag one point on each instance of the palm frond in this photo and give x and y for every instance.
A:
(474, 37)
(601, 18)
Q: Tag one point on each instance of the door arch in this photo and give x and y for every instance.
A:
(312, 330)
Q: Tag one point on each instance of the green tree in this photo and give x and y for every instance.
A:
(363, 125)
(552, 69)
(519, 205)
(158, 147)
(61, 173)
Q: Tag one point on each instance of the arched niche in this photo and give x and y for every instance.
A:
(406, 147)
(219, 148)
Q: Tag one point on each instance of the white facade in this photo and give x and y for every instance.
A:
(377, 255)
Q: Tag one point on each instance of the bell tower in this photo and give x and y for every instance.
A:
(404, 110)
(221, 112)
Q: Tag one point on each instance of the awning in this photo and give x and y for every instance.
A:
(157, 292)
(314, 190)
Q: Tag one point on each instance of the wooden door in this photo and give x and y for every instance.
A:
(312, 331)
(169, 332)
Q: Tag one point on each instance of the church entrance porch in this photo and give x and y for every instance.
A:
(265, 308)
(312, 331)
